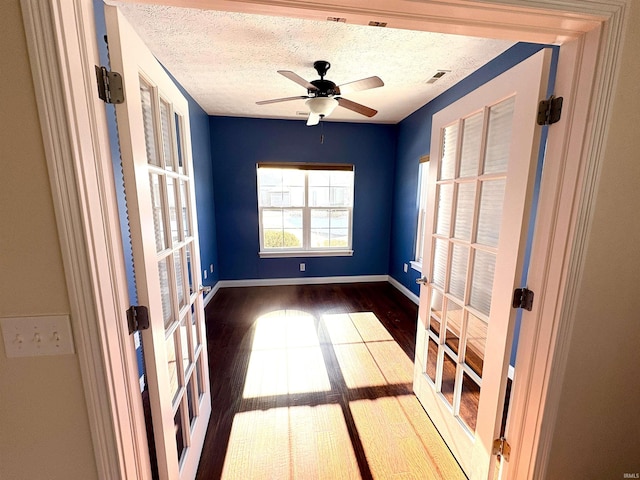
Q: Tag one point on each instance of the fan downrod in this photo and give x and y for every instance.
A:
(321, 67)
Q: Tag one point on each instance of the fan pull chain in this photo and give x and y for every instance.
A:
(321, 133)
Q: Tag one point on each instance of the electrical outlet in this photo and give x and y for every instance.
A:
(406, 268)
(35, 336)
(303, 267)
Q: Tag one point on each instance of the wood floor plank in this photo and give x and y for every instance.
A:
(314, 382)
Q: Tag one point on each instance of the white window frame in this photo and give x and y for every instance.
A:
(423, 176)
(306, 250)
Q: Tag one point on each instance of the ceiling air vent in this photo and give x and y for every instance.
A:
(377, 24)
(337, 19)
(438, 75)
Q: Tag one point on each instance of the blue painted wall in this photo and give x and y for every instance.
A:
(238, 144)
(414, 138)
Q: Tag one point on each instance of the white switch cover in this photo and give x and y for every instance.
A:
(34, 336)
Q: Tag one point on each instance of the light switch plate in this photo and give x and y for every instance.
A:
(35, 336)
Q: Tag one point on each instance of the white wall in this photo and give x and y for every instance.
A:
(44, 428)
(598, 429)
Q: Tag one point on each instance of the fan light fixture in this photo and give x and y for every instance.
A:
(322, 106)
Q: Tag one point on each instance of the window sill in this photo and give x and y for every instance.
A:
(306, 253)
(416, 266)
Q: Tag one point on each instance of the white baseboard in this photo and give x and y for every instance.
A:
(265, 282)
(210, 295)
(407, 293)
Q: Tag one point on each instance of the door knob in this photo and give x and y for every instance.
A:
(422, 281)
(205, 289)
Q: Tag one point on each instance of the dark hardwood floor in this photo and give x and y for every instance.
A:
(314, 381)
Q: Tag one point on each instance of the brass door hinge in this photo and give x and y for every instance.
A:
(501, 448)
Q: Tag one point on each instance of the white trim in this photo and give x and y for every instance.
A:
(268, 282)
(62, 46)
(305, 253)
(417, 266)
(209, 296)
(89, 237)
(404, 290)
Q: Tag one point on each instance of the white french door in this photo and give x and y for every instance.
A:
(155, 143)
(484, 151)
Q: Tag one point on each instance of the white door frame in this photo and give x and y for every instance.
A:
(62, 48)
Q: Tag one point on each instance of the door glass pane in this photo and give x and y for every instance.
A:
(490, 214)
(458, 276)
(173, 214)
(184, 345)
(471, 142)
(432, 359)
(146, 99)
(190, 402)
(448, 378)
(190, 274)
(436, 302)
(499, 136)
(200, 382)
(453, 325)
(156, 205)
(165, 292)
(449, 149)
(184, 205)
(436, 312)
(181, 166)
(179, 270)
(443, 213)
(434, 325)
(167, 144)
(464, 210)
(195, 337)
(180, 431)
(440, 262)
(172, 365)
(469, 401)
(476, 340)
(484, 265)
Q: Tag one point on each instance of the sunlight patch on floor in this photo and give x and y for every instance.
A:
(410, 458)
(290, 443)
(286, 356)
(367, 354)
(292, 352)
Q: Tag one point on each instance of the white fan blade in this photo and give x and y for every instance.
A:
(314, 119)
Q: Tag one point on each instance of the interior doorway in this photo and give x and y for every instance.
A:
(579, 65)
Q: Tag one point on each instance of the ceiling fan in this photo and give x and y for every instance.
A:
(323, 96)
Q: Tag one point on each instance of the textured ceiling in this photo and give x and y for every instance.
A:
(228, 61)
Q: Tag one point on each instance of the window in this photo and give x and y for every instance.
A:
(305, 209)
(423, 176)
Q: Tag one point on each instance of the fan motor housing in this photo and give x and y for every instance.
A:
(325, 88)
